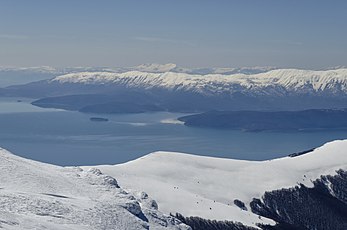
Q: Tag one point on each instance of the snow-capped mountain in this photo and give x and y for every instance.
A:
(221, 70)
(170, 67)
(35, 195)
(36, 69)
(134, 91)
(290, 80)
(154, 68)
(149, 67)
(214, 188)
(22, 75)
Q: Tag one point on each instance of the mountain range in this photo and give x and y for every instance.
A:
(135, 91)
(21, 75)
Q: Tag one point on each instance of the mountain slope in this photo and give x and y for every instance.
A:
(214, 188)
(35, 195)
(305, 191)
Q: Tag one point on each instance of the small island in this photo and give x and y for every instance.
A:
(98, 119)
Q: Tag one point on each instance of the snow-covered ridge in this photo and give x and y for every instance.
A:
(35, 195)
(149, 67)
(289, 79)
(206, 187)
(38, 69)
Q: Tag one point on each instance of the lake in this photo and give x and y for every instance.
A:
(70, 138)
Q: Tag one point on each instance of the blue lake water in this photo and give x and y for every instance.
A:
(70, 138)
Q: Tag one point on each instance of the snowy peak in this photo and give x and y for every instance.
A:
(35, 195)
(194, 185)
(155, 68)
(223, 70)
(319, 80)
(38, 69)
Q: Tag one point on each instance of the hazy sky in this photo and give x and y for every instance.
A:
(200, 33)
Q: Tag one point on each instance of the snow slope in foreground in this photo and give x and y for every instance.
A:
(35, 195)
(206, 187)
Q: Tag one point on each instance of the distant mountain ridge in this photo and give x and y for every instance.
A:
(21, 75)
(134, 91)
(291, 80)
(256, 121)
(148, 67)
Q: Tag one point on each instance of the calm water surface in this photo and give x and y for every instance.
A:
(70, 138)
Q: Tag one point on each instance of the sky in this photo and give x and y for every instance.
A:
(309, 34)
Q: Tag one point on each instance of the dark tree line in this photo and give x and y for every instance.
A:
(322, 207)
(197, 223)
